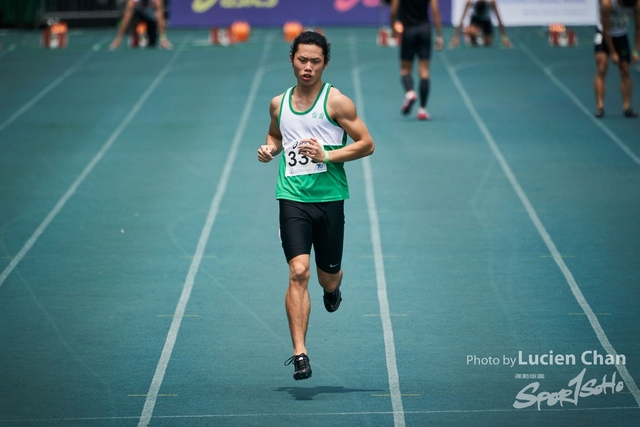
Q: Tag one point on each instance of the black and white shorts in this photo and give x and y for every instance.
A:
(317, 225)
(620, 44)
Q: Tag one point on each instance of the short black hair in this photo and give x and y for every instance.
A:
(629, 3)
(311, 37)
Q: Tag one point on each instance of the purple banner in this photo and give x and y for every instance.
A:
(220, 13)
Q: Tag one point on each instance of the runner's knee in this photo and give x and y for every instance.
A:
(298, 272)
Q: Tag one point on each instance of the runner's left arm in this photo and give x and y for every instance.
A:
(438, 24)
(343, 111)
(162, 25)
(503, 31)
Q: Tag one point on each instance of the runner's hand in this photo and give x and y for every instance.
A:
(615, 58)
(265, 153)
(115, 43)
(165, 43)
(312, 149)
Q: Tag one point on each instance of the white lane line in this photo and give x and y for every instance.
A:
(387, 328)
(87, 170)
(575, 289)
(598, 122)
(45, 91)
(158, 377)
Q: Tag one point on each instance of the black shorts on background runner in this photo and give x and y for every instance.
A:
(620, 44)
(321, 225)
(416, 41)
(485, 25)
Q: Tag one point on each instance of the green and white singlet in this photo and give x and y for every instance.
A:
(299, 179)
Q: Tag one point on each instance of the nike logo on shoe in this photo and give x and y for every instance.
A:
(332, 300)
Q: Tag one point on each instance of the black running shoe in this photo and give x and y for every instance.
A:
(630, 113)
(302, 365)
(332, 300)
(599, 113)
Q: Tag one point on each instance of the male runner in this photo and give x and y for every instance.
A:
(611, 41)
(480, 24)
(150, 12)
(411, 18)
(310, 123)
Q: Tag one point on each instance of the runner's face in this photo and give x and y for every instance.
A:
(308, 63)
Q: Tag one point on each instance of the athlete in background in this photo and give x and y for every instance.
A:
(411, 18)
(611, 41)
(151, 12)
(480, 24)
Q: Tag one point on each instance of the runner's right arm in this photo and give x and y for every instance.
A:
(273, 144)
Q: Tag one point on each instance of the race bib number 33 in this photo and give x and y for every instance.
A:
(298, 164)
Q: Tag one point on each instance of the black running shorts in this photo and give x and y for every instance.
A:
(321, 225)
(485, 25)
(416, 41)
(620, 44)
